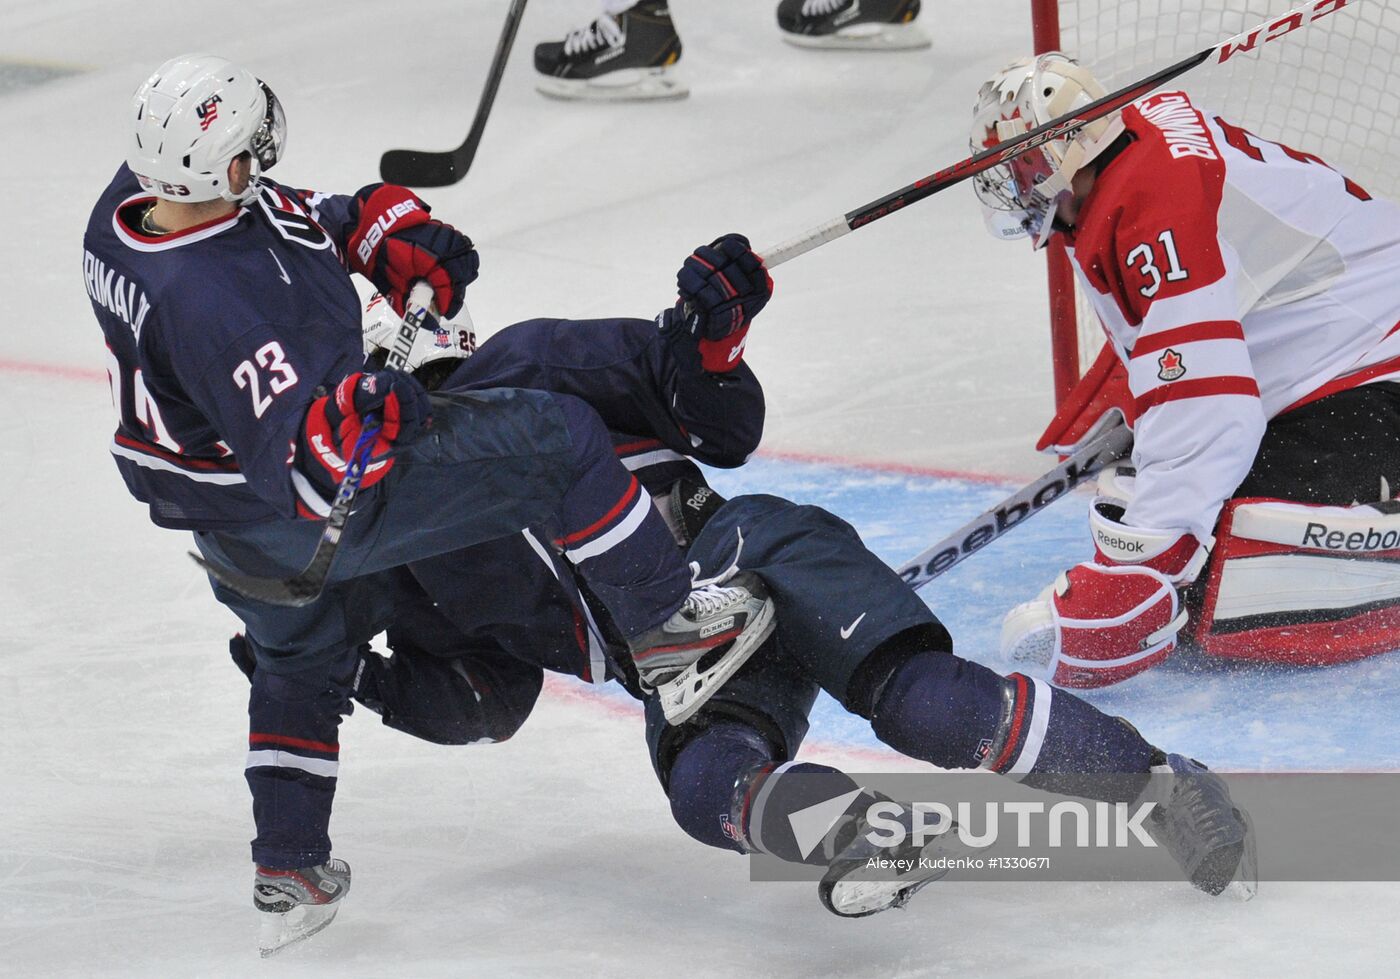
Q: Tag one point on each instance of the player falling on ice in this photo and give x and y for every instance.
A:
(233, 336)
(1251, 298)
(478, 628)
(631, 50)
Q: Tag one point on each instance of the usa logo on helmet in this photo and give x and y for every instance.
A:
(208, 111)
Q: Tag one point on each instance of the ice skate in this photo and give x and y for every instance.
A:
(1195, 821)
(850, 890)
(296, 904)
(627, 56)
(704, 642)
(871, 25)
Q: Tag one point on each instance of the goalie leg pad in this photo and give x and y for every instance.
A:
(1302, 584)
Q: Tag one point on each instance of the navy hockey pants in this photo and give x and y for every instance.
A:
(493, 463)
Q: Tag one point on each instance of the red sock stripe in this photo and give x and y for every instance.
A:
(754, 784)
(1008, 750)
(632, 489)
(286, 742)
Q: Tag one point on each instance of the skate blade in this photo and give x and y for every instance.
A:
(626, 85)
(859, 898)
(1245, 886)
(865, 37)
(278, 931)
(683, 695)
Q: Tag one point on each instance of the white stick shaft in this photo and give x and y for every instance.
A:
(804, 243)
(1078, 469)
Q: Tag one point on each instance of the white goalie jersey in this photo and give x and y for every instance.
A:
(1236, 279)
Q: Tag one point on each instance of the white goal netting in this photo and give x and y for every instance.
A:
(1331, 88)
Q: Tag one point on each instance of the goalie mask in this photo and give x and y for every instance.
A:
(437, 343)
(1020, 197)
(192, 118)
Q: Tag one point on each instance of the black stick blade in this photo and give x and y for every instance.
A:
(294, 592)
(419, 168)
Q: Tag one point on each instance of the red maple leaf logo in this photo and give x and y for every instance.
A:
(1170, 364)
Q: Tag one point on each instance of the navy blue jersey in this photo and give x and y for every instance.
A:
(217, 340)
(628, 373)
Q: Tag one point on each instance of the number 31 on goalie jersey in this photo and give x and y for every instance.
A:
(1143, 258)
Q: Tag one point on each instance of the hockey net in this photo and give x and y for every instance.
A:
(1332, 90)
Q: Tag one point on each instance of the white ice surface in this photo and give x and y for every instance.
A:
(917, 341)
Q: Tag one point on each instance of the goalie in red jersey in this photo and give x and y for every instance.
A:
(1251, 302)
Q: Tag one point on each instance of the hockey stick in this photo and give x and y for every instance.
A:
(1065, 125)
(305, 586)
(1019, 507)
(420, 168)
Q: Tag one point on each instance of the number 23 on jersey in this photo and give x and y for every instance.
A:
(279, 376)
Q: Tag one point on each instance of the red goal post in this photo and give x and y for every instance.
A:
(1335, 93)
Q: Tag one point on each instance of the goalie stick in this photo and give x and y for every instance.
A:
(1066, 125)
(1082, 466)
(305, 586)
(421, 168)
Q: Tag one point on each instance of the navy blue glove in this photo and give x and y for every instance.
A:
(395, 243)
(335, 422)
(722, 287)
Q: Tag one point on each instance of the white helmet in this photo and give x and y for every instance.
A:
(192, 117)
(1020, 197)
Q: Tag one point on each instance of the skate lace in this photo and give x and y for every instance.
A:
(603, 32)
(697, 582)
(820, 8)
(708, 595)
(709, 599)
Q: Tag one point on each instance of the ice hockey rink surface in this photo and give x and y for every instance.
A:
(907, 371)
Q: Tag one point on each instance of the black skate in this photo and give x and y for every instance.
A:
(298, 903)
(849, 888)
(871, 25)
(1209, 837)
(631, 55)
(689, 656)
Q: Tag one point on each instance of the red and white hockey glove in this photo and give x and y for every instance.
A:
(1095, 626)
(1111, 618)
(395, 243)
(722, 287)
(335, 422)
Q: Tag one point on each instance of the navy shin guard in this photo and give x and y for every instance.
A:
(939, 708)
(955, 713)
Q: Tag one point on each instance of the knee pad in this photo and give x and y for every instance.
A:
(707, 774)
(939, 708)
